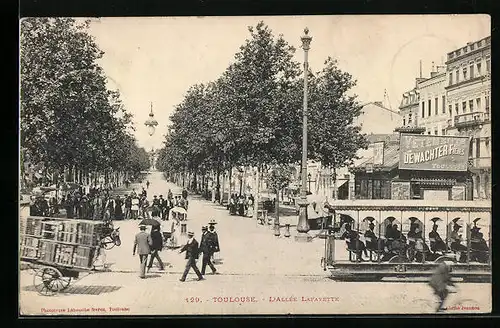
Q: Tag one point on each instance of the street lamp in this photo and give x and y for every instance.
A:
(302, 225)
(151, 123)
(309, 181)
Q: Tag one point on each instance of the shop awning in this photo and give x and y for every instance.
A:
(435, 181)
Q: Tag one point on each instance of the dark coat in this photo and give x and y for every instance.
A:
(192, 250)
(207, 243)
(157, 241)
(215, 238)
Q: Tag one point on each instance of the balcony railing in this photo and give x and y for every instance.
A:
(471, 119)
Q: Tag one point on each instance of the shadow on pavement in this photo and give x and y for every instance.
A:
(82, 290)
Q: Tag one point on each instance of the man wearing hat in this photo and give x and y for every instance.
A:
(192, 252)
(142, 244)
(207, 246)
(215, 237)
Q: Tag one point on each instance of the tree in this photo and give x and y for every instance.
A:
(278, 179)
(333, 139)
(69, 119)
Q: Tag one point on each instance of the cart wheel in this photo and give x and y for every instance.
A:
(108, 242)
(48, 281)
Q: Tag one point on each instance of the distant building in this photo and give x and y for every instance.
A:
(377, 119)
(433, 114)
(409, 166)
(469, 103)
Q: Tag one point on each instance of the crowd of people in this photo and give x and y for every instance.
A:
(413, 244)
(101, 204)
(149, 245)
(241, 205)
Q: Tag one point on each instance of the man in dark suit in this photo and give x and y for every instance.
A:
(207, 246)
(142, 244)
(192, 252)
(157, 246)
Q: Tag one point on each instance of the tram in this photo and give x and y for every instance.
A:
(404, 239)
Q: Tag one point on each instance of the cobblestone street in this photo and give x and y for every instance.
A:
(256, 268)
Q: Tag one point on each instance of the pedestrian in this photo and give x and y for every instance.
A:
(184, 193)
(215, 237)
(135, 207)
(145, 208)
(142, 244)
(162, 207)
(192, 253)
(439, 282)
(156, 207)
(144, 193)
(147, 184)
(118, 208)
(128, 207)
(207, 246)
(156, 246)
(170, 195)
(69, 207)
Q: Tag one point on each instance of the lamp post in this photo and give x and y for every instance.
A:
(151, 123)
(302, 225)
(309, 181)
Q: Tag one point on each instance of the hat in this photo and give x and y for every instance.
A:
(142, 227)
(190, 234)
(154, 196)
(161, 195)
(212, 222)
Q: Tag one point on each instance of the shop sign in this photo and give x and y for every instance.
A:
(433, 153)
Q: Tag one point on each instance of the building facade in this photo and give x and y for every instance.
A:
(468, 94)
(433, 114)
(415, 166)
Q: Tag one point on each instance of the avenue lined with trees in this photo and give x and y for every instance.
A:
(73, 127)
(251, 116)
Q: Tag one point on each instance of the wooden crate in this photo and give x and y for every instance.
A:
(47, 250)
(31, 226)
(82, 257)
(87, 239)
(50, 229)
(68, 237)
(29, 247)
(64, 254)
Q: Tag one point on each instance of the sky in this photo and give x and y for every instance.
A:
(156, 59)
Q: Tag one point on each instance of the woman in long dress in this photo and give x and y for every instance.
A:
(118, 208)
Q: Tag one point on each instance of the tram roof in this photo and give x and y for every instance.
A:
(410, 205)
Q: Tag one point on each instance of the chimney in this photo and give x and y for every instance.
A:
(420, 69)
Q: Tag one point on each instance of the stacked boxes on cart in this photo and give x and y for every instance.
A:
(65, 242)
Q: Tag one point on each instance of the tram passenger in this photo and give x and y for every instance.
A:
(397, 241)
(417, 243)
(456, 243)
(456, 239)
(479, 247)
(371, 238)
(353, 243)
(437, 244)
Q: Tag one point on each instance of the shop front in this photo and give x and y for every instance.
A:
(421, 167)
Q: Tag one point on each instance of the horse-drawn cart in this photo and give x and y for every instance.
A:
(58, 250)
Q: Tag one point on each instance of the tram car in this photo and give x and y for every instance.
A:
(403, 239)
